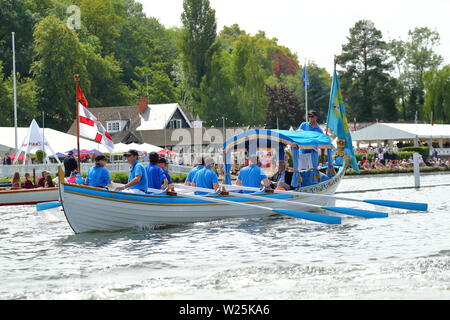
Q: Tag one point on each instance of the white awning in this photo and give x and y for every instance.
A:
(401, 131)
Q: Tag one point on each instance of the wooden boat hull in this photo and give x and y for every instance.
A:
(28, 196)
(91, 209)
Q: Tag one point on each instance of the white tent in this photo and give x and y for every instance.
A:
(60, 141)
(33, 141)
(145, 147)
(402, 131)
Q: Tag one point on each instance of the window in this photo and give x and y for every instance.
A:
(113, 126)
(175, 124)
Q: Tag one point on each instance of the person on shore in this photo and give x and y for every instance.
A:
(49, 182)
(28, 184)
(7, 160)
(206, 177)
(311, 125)
(199, 164)
(70, 164)
(162, 163)
(252, 175)
(155, 175)
(98, 175)
(15, 181)
(137, 177)
(282, 178)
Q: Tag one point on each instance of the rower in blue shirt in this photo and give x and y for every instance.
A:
(162, 163)
(137, 177)
(311, 125)
(206, 177)
(199, 164)
(252, 175)
(98, 176)
(155, 175)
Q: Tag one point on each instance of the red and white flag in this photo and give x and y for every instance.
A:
(90, 127)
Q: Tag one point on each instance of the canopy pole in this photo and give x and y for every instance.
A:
(77, 79)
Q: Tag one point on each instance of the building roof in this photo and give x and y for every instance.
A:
(157, 116)
(401, 131)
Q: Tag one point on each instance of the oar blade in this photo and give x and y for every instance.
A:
(416, 206)
(317, 217)
(47, 205)
(358, 212)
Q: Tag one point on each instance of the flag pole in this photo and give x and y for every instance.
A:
(15, 91)
(331, 92)
(306, 94)
(77, 79)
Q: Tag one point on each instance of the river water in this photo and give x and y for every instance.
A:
(405, 256)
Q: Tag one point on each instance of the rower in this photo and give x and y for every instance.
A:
(137, 177)
(252, 175)
(98, 175)
(199, 163)
(155, 175)
(206, 177)
(162, 163)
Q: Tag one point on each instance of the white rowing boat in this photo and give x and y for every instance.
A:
(14, 197)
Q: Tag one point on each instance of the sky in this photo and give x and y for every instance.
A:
(316, 29)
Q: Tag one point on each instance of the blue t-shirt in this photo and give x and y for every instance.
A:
(251, 176)
(98, 176)
(167, 176)
(192, 173)
(138, 169)
(155, 176)
(205, 178)
(307, 127)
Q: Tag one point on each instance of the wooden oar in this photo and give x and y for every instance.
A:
(316, 217)
(416, 206)
(348, 211)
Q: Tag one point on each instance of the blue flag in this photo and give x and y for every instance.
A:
(305, 77)
(337, 120)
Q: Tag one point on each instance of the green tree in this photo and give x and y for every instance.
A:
(216, 93)
(284, 109)
(26, 100)
(365, 61)
(249, 81)
(437, 96)
(420, 57)
(197, 43)
(17, 17)
(58, 56)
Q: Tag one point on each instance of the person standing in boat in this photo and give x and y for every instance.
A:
(98, 175)
(206, 177)
(70, 164)
(155, 175)
(311, 125)
(137, 177)
(252, 175)
(199, 164)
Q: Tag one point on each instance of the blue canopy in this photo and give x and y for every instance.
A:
(263, 137)
(255, 139)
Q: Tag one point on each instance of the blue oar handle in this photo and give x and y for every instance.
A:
(357, 212)
(310, 216)
(417, 206)
(47, 205)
